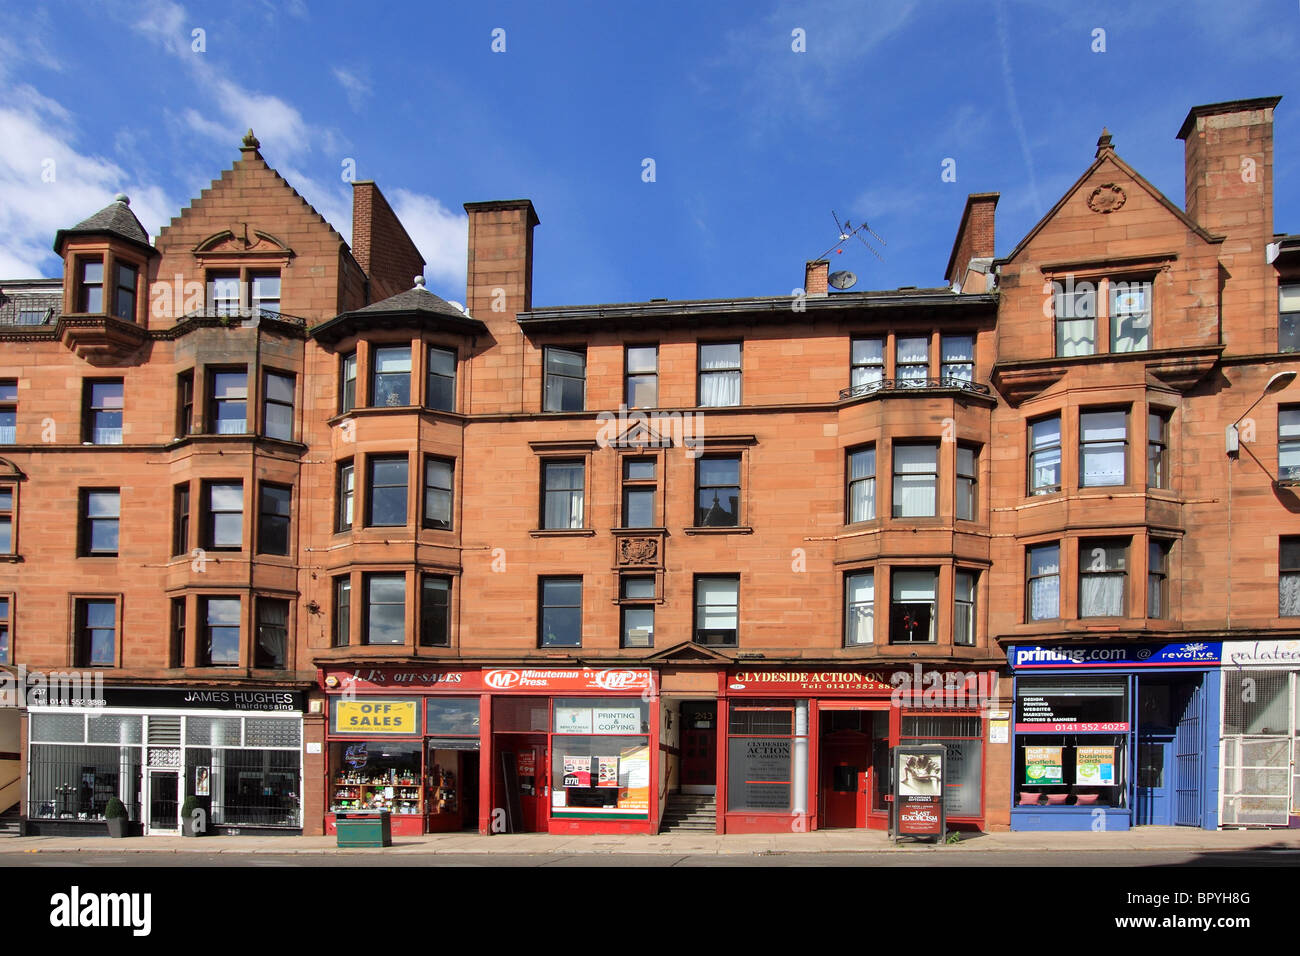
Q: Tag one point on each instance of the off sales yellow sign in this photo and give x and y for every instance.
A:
(376, 717)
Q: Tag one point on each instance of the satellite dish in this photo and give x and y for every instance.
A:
(842, 280)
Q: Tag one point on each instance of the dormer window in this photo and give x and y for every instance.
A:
(1130, 316)
(223, 293)
(90, 291)
(265, 292)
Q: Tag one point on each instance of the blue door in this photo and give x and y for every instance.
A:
(1155, 780)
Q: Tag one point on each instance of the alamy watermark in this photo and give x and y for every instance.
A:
(33, 688)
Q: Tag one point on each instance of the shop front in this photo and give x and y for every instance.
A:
(805, 750)
(500, 749)
(237, 753)
(1261, 734)
(1115, 736)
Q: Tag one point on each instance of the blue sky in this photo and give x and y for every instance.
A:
(753, 143)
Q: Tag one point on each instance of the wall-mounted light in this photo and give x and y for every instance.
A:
(1232, 439)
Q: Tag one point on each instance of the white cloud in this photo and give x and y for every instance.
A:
(355, 87)
(47, 184)
(440, 234)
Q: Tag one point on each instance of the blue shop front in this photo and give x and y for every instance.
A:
(1113, 736)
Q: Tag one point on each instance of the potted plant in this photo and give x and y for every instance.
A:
(116, 815)
(193, 818)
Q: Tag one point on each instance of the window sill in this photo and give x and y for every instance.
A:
(729, 529)
(10, 558)
(563, 532)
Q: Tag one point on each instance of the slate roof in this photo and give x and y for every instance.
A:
(115, 219)
(416, 306)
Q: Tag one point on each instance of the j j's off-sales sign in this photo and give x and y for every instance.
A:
(377, 715)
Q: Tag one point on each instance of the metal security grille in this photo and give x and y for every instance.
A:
(164, 741)
(1257, 724)
(1188, 747)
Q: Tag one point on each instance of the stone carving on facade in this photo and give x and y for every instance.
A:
(1107, 198)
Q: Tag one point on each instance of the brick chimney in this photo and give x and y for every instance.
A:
(380, 243)
(974, 242)
(499, 285)
(815, 273)
(1229, 169)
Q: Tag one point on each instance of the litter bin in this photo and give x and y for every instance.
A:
(364, 828)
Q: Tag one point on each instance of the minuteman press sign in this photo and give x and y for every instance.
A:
(613, 680)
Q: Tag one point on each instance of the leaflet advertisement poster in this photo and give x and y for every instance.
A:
(634, 779)
(607, 775)
(1043, 765)
(1095, 766)
(577, 771)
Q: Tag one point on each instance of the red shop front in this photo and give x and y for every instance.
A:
(497, 749)
(809, 749)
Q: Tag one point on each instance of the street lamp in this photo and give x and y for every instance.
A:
(1281, 380)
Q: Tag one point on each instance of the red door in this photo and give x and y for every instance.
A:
(532, 776)
(699, 747)
(846, 782)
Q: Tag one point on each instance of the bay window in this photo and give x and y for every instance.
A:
(862, 485)
(916, 477)
(1043, 592)
(390, 381)
(958, 359)
(1045, 456)
(867, 363)
(912, 361)
(1103, 572)
(912, 607)
(1103, 448)
(859, 608)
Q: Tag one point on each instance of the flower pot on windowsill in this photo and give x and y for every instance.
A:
(116, 817)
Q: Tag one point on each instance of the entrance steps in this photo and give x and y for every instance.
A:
(690, 811)
(10, 822)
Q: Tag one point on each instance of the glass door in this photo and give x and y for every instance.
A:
(162, 802)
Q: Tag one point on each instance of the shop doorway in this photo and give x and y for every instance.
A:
(854, 768)
(469, 790)
(162, 802)
(699, 747)
(1171, 720)
(523, 776)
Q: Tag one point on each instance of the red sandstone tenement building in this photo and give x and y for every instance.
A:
(312, 539)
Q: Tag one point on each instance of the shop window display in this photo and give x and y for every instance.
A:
(376, 775)
(1071, 742)
(601, 759)
(963, 738)
(767, 757)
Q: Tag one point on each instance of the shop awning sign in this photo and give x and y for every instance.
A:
(374, 715)
(1183, 654)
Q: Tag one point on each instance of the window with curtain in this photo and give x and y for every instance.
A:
(562, 492)
(342, 611)
(103, 417)
(272, 650)
(912, 361)
(1076, 318)
(437, 493)
(1103, 569)
(963, 611)
(96, 633)
(9, 411)
(967, 487)
(1158, 449)
(862, 484)
(1288, 317)
(720, 374)
(1158, 579)
(1045, 456)
(859, 608)
(223, 293)
(717, 610)
(1044, 582)
(1288, 578)
(228, 413)
(867, 357)
(916, 476)
(1130, 315)
(565, 386)
(1288, 443)
(911, 610)
(1103, 448)
(958, 358)
(642, 371)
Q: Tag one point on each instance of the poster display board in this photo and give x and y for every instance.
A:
(918, 777)
(1043, 765)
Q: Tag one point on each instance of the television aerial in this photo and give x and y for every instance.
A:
(849, 231)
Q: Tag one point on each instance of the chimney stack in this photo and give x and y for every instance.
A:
(380, 243)
(815, 277)
(972, 249)
(499, 285)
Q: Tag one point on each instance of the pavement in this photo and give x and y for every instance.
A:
(693, 843)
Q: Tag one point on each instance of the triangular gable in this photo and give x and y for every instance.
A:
(249, 171)
(688, 652)
(1105, 156)
(640, 433)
